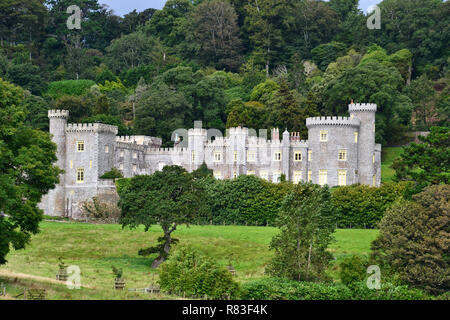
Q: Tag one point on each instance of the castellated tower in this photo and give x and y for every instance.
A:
(54, 202)
(366, 145)
(196, 145)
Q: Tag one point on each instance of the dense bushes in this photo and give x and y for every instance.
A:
(76, 88)
(246, 200)
(362, 206)
(192, 274)
(283, 289)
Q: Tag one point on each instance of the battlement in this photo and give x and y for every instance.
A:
(238, 130)
(355, 107)
(170, 151)
(91, 127)
(332, 121)
(197, 132)
(63, 114)
(140, 140)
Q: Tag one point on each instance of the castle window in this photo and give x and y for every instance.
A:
(323, 136)
(297, 177)
(264, 175)
(342, 155)
(323, 177)
(121, 153)
(235, 156)
(356, 136)
(134, 168)
(193, 156)
(374, 180)
(135, 155)
(106, 149)
(217, 156)
(121, 166)
(80, 146)
(71, 164)
(90, 164)
(218, 174)
(298, 156)
(309, 176)
(276, 176)
(235, 174)
(80, 175)
(251, 156)
(309, 155)
(373, 158)
(250, 172)
(342, 177)
(277, 156)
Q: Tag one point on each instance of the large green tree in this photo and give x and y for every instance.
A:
(26, 171)
(307, 225)
(169, 198)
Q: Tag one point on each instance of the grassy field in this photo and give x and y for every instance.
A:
(95, 248)
(388, 155)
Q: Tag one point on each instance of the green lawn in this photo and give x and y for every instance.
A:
(95, 248)
(388, 155)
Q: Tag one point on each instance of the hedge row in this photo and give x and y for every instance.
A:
(283, 289)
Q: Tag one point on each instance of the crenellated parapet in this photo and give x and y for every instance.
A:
(63, 114)
(165, 151)
(141, 140)
(332, 121)
(355, 107)
(130, 146)
(91, 127)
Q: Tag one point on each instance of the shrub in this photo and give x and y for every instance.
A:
(189, 273)
(100, 211)
(283, 289)
(353, 269)
(387, 291)
(113, 174)
(413, 239)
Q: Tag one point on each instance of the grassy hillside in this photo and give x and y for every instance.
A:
(388, 155)
(95, 248)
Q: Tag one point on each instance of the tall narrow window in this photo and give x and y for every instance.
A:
(356, 136)
(217, 156)
(121, 153)
(323, 136)
(297, 156)
(71, 164)
(277, 156)
(342, 155)
(309, 155)
(80, 175)
(106, 149)
(134, 155)
(235, 156)
(342, 177)
(80, 146)
(374, 180)
(235, 174)
(251, 156)
(90, 164)
(323, 177)
(373, 158)
(309, 176)
(276, 176)
(193, 156)
(297, 177)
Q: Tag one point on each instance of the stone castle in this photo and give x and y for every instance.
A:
(339, 151)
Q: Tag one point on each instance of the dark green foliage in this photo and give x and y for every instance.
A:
(363, 206)
(428, 162)
(352, 270)
(112, 174)
(117, 272)
(324, 54)
(202, 172)
(188, 273)
(413, 239)
(246, 200)
(169, 198)
(26, 171)
(283, 289)
(306, 229)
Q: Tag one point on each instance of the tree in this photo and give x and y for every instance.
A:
(413, 240)
(169, 198)
(251, 115)
(26, 171)
(217, 34)
(427, 162)
(423, 97)
(306, 229)
(324, 54)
